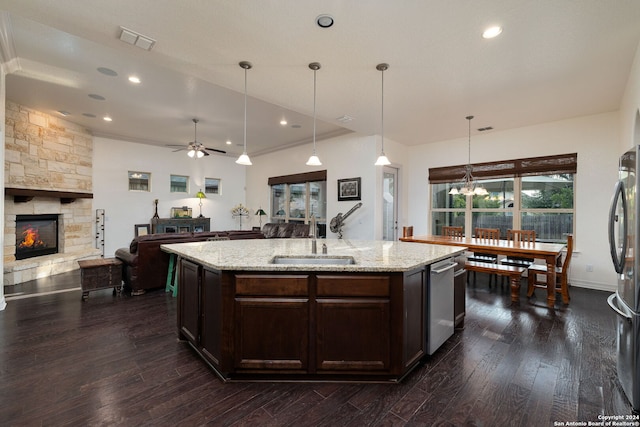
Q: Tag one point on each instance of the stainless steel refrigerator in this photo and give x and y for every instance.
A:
(624, 238)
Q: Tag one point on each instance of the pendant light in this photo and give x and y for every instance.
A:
(314, 160)
(469, 186)
(244, 158)
(382, 160)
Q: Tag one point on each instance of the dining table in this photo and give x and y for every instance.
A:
(549, 252)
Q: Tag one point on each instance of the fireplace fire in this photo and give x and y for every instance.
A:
(36, 235)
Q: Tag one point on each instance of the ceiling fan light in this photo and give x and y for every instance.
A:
(314, 161)
(244, 160)
(191, 153)
(199, 154)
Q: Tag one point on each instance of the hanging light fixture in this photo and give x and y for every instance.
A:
(382, 159)
(314, 160)
(244, 158)
(469, 186)
(195, 148)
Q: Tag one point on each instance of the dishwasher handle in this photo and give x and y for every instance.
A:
(443, 269)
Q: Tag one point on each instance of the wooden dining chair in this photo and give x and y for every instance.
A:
(452, 231)
(536, 272)
(522, 237)
(485, 234)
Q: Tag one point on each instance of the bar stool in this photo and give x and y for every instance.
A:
(172, 275)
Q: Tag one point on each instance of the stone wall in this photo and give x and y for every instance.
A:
(47, 153)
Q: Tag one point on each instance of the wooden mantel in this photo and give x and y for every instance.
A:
(22, 195)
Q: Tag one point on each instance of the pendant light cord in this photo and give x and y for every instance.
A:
(245, 110)
(382, 113)
(314, 110)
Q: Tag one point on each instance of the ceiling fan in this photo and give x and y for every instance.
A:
(195, 148)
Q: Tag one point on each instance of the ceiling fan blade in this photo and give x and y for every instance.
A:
(216, 150)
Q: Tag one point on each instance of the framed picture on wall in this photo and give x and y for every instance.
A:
(349, 189)
(142, 229)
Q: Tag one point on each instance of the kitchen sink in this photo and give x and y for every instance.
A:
(313, 259)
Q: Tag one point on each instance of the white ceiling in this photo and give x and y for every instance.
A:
(555, 59)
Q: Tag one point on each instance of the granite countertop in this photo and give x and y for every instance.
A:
(258, 254)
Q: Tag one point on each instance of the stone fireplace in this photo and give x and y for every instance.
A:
(48, 171)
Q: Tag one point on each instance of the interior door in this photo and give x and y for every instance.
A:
(389, 203)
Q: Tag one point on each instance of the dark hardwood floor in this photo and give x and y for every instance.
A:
(117, 361)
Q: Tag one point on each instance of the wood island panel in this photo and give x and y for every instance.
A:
(304, 325)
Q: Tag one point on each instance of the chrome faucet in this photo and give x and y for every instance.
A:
(312, 233)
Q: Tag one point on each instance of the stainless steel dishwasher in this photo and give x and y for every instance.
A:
(440, 318)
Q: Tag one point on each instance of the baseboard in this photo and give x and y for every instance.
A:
(599, 286)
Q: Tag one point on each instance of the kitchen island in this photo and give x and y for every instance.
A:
(268, 309)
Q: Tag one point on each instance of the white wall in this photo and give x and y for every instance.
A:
(348, 156)
(594, 138)
(629, 131)
(123, 208)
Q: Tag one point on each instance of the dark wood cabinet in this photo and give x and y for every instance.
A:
(353, 327)
(189, 301)
(180, 225)
(211, 338)
(304, 325)
(272, 322)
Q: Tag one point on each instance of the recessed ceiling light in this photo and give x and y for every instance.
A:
(229, 142)
(134, 79)
(89, 115)
(107, 119)
(492, 32)
(296, 126)
(345, 119)
(107, 71)
(97, 97)
(283, 122)
(64, 113)
(324, 21)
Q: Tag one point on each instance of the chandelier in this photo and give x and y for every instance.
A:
(469, 186)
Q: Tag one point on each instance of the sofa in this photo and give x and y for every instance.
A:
(145, 265)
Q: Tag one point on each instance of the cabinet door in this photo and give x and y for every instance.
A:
(211, 326)
(272, 323)
(414, 326)
(353, 323)
(189, 304)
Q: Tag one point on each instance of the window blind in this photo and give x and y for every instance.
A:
(546, 165)
(298, 178)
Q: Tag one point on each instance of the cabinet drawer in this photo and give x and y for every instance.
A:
(353, 286)
(272, 285)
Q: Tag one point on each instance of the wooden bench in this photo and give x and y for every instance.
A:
(514, 274)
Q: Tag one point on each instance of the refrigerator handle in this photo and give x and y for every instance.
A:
(615, 308)
(618, 262)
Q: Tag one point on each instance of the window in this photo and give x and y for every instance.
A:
(298, 198)
(212, 186)
(539, 197)
(179, 184)
(139, 181)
